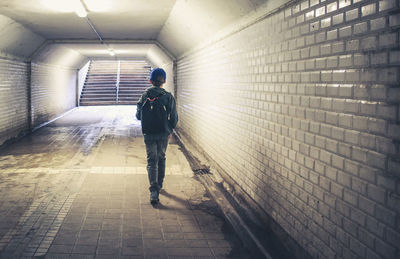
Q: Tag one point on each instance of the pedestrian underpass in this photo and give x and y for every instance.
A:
(288, 112)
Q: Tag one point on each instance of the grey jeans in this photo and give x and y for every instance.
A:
(155, 150)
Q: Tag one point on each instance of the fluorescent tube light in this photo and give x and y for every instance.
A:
(111, 52)
(80, 9)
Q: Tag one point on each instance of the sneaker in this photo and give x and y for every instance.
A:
(154, 197)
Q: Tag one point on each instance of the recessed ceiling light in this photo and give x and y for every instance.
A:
(111, 52)
(80, 9)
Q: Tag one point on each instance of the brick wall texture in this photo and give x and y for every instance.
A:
(13, 99)
(53, 92)
(301, 109)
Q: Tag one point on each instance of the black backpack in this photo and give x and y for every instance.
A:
(154, 115)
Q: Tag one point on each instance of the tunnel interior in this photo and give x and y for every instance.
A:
(294, 105)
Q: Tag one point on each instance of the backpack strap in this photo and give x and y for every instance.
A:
(154, 98)
(163, 92)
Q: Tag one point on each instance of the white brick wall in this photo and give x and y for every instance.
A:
(302, 110)
(13, 99)
(53, 92)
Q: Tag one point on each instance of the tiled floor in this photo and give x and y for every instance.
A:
(78, 188)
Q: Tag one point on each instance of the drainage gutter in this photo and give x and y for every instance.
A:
(244, 232)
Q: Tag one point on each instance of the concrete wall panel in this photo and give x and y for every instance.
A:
(157, 56)
(169, 84)
(59, 55)
(301, 110)
(53, 92)
(82, 78)
(16, 39)
(13, 99)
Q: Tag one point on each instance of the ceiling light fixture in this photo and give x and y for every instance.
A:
(111, 52)
(80, 9)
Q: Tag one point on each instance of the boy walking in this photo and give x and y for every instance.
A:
(157, 111)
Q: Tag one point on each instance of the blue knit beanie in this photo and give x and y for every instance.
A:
(158, 76)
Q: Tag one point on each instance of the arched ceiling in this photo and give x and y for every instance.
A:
(171, 27)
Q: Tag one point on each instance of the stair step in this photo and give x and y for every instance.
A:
(98, 103)
(99, 99)
(127, 95)
(130, 92)
(101, 80)
(100, 84)
(102, 90)
(89, 90)
(91, 96)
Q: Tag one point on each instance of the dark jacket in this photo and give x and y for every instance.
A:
(168, 100)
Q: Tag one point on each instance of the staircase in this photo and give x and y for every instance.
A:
(115, 82)
(133, 80)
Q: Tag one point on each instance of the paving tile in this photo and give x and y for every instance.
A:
(173, 227)
(111, 224)
(132, 242)
(171, 236)
(197, 243)
(187, 221)
(88, 237)
(95, 204)
(203, 251)
(180, 243)
(82, 256)
(156, 252)
(74, 218)
(152, 234)
(173, 251)
(57, 256)
(132, 250)
(84, 249)
(108, 249)
(106, 256)
(65, 239)
(110, 214)
(213, 235)
(110, 233)
(132, 234)
(221, 251)
(190, 228)
(219, 243)
(60, 249)
(153, 243)
(91, 226)
(195, 235)
(112, 241)
(71, 226)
